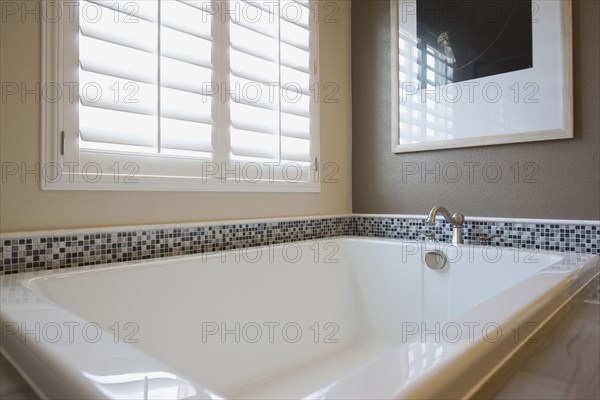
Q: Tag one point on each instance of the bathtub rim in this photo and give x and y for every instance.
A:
(143, 263)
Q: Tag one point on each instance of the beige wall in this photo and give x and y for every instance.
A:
(568, 174)
(24, 207)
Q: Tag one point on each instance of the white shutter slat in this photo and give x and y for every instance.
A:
(208, 6)
(185, 47)
(295, 12)
(294, 149)
(290, 76)
(245, 9)
(253, 93)
(293, 102)
(253, 68)
(295, 126)
(115, 29)
(184, 76)
(295, 58)
(254, 145)
(186, 135)
(295, 35)
(256, 19)
(117, 127)
(127, 11)
(187, 106)
(251, 42)
(186, 18)
(104, 91)
(254, 118)
(116, 60)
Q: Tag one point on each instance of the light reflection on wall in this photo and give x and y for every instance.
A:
(424, 115)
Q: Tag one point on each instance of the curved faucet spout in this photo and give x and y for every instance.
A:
(438, 210)
(455, 219)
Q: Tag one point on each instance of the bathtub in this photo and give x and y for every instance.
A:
(333, 318)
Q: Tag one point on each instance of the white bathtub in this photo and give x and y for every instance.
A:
(335, 318)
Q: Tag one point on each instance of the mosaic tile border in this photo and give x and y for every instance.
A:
(48, 251)
(542, 236)
(52, 252)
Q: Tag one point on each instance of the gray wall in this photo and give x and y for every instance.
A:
(568, 177)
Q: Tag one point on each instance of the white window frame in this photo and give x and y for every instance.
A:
(62, 170)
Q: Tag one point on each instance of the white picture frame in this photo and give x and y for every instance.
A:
(526, 105)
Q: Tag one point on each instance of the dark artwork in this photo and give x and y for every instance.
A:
(473, 39)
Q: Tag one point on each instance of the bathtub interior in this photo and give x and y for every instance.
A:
(389, 296)
(287, 319)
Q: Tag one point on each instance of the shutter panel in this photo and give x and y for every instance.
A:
(146, 73)
(124, 84)
(296, 75)
(270, 76)
(254, 82)
(185, 70)
(117, 78)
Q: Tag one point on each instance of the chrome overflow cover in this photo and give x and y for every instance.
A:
(436, 260)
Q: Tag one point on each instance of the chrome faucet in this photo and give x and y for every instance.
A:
(455, 219)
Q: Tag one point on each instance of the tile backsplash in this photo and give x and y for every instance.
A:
(543, 236)
(46, 250)
(77, 249)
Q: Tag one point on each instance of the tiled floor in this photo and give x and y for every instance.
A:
(567, 364)
(12, 385)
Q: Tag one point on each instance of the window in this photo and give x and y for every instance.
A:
(181, 95)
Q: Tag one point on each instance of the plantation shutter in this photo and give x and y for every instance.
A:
(192, 88)
(143, 69)
(270, 80)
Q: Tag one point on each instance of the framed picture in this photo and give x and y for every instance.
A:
(474, 73)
